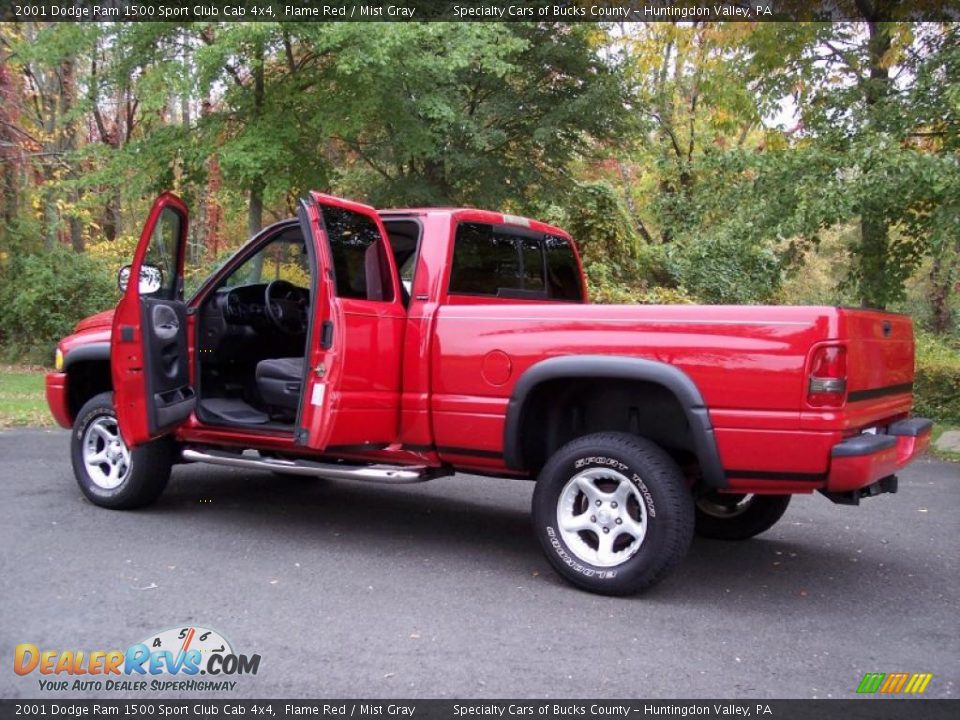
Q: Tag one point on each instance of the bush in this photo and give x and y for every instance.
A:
(936, 385)
(600, 225)
(612, 285)
(725, 268)
(43, 296)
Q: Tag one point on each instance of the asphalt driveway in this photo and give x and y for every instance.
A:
(440, 590)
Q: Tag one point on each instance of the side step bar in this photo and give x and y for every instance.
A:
(396, 475)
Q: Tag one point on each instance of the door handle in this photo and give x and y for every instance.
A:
(326, 334)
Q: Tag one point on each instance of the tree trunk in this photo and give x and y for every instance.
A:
(874, 246)
(944, 274)
(255, 208)
(874, 232)
(68, 96)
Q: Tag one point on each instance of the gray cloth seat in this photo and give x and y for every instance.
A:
(279, 381)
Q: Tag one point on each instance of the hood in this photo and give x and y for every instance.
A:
(100, 320)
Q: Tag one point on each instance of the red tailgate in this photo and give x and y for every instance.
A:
(879, 365)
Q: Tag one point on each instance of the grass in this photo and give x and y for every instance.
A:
(22, 401)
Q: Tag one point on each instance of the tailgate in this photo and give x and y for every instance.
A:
(879, 365)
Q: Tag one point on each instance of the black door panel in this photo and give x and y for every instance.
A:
(166, 365)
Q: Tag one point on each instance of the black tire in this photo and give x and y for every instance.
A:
(738, 517)
(658, 502)
(149, 464)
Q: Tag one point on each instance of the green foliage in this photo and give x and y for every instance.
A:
(484, 114)
(725, 268)
(609, 286)
(936, 385)
(44, 295)
(599, 223)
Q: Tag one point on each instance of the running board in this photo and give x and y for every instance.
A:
(392, 474)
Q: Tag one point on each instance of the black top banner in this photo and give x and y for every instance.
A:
(475, 11)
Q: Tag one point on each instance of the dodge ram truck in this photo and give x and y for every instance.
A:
(396, 346)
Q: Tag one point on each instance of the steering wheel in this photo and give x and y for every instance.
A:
(286, 307)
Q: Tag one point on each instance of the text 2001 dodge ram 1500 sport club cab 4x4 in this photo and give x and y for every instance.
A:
(400, 345)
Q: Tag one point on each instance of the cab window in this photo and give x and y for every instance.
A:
(500, 261)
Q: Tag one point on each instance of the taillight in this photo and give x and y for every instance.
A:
(827, 384)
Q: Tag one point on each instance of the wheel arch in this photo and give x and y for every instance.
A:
(88, 374)
(550, 383)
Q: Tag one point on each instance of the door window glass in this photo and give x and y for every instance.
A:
(162, 252)
(360, 263)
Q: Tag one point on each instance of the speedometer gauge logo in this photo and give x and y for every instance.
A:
(183, 640)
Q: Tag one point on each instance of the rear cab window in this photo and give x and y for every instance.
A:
(506, 262)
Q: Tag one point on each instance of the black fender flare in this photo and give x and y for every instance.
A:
(616, 367)
(98, 351)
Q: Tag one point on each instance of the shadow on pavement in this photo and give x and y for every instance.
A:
(491, 531)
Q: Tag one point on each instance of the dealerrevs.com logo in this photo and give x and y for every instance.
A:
(172, 660)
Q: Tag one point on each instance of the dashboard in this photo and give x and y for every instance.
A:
(235, 326)
(246, 304)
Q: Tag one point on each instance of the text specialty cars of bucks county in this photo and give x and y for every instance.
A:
(397, 346)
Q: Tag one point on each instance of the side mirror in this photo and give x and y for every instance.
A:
(151, 279)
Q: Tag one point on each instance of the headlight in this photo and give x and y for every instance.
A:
(58, 360)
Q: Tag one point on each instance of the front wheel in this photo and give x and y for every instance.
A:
(613, 513)
(726, 516)
(110, 474)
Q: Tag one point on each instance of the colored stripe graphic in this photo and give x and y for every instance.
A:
(894, 683)
(871, 682)
(918, 683)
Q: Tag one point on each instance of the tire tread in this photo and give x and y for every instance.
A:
(672, 493)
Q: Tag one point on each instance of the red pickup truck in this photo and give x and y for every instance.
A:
(400, 345)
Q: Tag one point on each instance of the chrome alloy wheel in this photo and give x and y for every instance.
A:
(602, 517)
(723, 505)
(105, 455)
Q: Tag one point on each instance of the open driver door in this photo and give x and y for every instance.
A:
(149, 357)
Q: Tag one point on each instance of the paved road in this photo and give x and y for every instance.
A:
(439, 590)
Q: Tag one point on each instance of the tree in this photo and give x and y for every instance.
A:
(855, 87)
(481, 114)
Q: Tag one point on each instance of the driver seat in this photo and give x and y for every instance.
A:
(279, 381)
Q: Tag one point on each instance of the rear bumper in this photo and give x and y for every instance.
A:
(862, 461)
(56, 391)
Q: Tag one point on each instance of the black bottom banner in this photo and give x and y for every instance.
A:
(875, 709)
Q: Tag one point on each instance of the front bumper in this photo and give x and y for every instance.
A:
(56, 391)
(860, 462)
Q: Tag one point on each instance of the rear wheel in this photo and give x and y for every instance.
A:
(728, 516)
(613, 513)
(110, 474)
